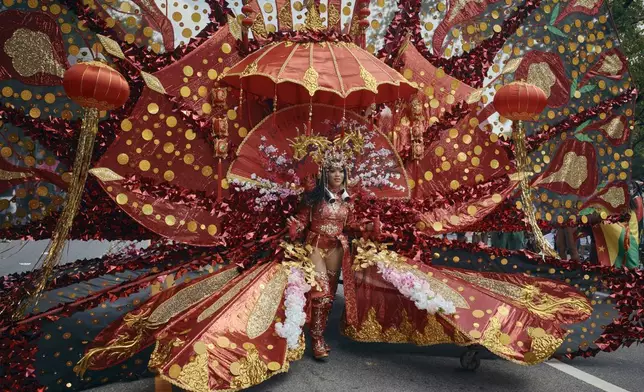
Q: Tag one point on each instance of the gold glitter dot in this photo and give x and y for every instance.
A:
(147, 209)
(174, 371)
(168, 175)
(126, 125)
(190, 134)
(192, 226)
(212, 229)
(121, 198)
(153, 108)
(226, 48)
(122, 159)
(144, 165)
(188, 159)
(188, 71)
(475, 334)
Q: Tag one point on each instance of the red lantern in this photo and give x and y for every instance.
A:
(247, 22)
(363, 23)
(219, 96)
(248, 10)
(418, 150)
(221, 148)
(220, 127)
(364, 12)
(520, 101)
(96, 85)
(417, 131)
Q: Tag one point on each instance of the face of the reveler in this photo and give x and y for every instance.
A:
(335, 178)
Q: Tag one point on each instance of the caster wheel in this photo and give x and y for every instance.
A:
(470, 360)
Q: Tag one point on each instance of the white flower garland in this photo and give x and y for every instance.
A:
(294, 301)
(416, 289)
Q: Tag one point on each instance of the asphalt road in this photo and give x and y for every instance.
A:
(364, 367)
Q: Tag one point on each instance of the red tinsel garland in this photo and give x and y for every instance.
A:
(146, 59)
(115, 225)
(535, 140)
(470, 67)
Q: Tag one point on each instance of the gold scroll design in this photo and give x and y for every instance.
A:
(496, 340)
(542, 347)
(123, 346)
(299, 256)
(369, 81)
(32, 52)
(334, 16)
(371, 330)
(573, 171)
(193, 376)
(614, 129)
(541, 76)
(295, 354)
(251, 370)
(285, 17)
(234, 27)
(263, 313)
(259, 27)
(611, 65)
(614, 196)
(313, 21)
(529, 297)
(162, 352)
(224, 299)
(310, 80)
(6, 175)
(370, 254)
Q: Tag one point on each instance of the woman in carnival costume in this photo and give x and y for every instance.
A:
(232, 330)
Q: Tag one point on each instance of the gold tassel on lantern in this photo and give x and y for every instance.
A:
(55, 248)
(518, 137)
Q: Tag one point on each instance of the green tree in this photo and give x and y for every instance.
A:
(629, 21)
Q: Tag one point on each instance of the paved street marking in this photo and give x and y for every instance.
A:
(585, 377)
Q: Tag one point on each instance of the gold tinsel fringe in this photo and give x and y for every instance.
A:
(518, 136)
(55, 248)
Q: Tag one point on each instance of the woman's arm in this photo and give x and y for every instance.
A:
(299, 222)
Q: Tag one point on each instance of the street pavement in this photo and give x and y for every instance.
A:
(363, 367)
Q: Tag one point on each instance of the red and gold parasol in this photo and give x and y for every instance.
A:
(334, 73)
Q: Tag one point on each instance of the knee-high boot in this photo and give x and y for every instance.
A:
(320, 306)
(334, 277)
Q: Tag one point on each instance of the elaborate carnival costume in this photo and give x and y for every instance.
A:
(197, 163)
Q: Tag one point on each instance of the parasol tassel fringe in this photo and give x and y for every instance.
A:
(526, 196)
(55, 248)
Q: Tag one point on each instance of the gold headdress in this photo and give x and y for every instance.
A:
(337, 154)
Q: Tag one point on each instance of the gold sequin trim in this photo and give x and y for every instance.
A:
(612, 65)
(370, 330)
(614, 129)
(105, 174)
(573, 171)
(111, 46)
(263, 313)
(186, 298)
(8, 175)
(542, 347)
(195, 374)
(31, 53)
(224, 299)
